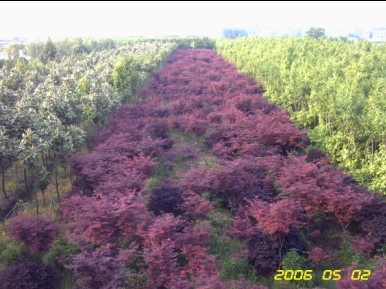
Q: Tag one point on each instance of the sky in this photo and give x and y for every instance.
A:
(119, 19)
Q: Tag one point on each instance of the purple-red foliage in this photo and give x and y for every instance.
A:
(36, 233)
(128, 175)
(265, 251)
(104, 218)
(372, 219)
(162, 269)
(162, 228)
(160, 252)
(317, 254)
(280, 131)
(376, 280)
(195, 234)
(276, 218)
(232, 181)
(165, 198)
(236, 180)
(195, 207)
(243, 227)
(108, 171)
(239, 284)
(194, 122)
(28, 275)
(321, 187)
(201, 94)
(101, 268)
(201, 267)
(364, 244)
(196, 179)
(166, 241)
(181, 152)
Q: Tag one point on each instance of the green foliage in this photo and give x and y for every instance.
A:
(66, 280)
(22, 65)
(220, 244)
(13, 50)
(294, 261)
(49, 51)
(46, 106)
(334, 89)
(316, 32)
(59, 248)
(188, 42)
(84, 85)
(11, 254)
(345, 256)
(43, 179)
(125, 75)
(235, 269)
(34, 49)
(381, 250)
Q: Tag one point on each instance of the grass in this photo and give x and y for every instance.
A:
(225, 248)
(190, 139)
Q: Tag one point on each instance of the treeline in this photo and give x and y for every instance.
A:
(52, 99)
(334, 89)
(67, 47)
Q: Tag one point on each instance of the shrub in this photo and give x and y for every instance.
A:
(28, 275)
(101, 268)
(265, 252)
(11, 254)
(166, 198)
(233, 269)
(36, 233)
(59, 250)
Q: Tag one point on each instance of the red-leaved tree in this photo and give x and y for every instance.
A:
(36, 233)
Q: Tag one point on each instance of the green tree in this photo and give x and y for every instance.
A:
(34, 49)
(316, 32)
(294, 261)
(49, 51)
(13, 50)
(335, 89)
(125, 75)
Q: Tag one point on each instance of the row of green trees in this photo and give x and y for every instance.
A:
(63, 48)
(334, 89)
(49, 103)
(56, 50)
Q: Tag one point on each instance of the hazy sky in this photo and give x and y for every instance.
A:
(114, 19)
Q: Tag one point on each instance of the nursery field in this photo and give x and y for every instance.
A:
(200, 183)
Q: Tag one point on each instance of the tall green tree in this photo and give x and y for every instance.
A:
(49, 52)
(125, 75)
(13, 50)
(34, 49)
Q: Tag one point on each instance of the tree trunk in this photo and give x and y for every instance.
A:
(1, 216)
(65, 169)
(56, 181)
(36, 194)
(3, 182)
(16, 179)
(26, 184)
(36, 203)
